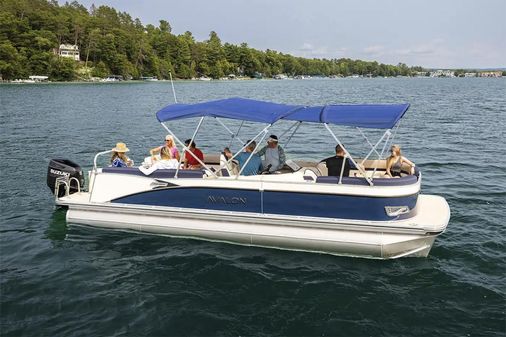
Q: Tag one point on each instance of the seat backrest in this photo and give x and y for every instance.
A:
(231, 168)
(371, 163)
(406, 168)
(213, 158)
(382, 165)
(322, 167)
(310, 174)
(160, 173)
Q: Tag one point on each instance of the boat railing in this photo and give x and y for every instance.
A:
(94, 171)
(96, 157)
(67, 183)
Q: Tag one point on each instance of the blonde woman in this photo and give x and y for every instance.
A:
(167, 151)
(119, 158)
(395, 162)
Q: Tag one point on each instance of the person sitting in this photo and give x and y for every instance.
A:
(227, 153)
(274, 155)
(395, 162)
(189, 161)
(254, 164)
(162, 157)
(335, 163)
(166, 162)
(169, 150)
(226, 161)
(119, 158)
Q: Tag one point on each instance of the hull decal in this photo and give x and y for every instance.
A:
(273, 202)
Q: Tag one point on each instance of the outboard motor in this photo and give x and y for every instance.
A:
(65, 170)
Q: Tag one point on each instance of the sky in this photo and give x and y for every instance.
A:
(429, 33)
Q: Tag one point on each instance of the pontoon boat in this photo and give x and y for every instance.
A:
(299, 207)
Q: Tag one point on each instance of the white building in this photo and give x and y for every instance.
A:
(442, 73)
(38, 78)
(280, 77)
(491, 74)
(69, 50)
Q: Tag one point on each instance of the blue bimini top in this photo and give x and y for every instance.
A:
(232, 108)
(378, 116)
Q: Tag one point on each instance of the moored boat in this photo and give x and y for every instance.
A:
(298, 207)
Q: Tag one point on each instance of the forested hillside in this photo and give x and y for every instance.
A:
(112, 42)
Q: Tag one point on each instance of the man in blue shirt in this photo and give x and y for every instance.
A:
(254, 165)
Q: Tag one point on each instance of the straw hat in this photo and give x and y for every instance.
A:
(120, 147)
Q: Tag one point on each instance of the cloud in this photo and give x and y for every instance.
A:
(429, 48)
(308, 50)
(433, 53)
(411, 54)
(307, 46)
(375, 50)
(421, 50)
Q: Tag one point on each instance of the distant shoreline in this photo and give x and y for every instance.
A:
(223, 81)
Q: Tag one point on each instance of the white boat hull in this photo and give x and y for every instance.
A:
(370, 239)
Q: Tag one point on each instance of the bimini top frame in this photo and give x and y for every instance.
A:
(377, 116)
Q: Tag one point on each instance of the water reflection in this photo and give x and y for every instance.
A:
(57, 228)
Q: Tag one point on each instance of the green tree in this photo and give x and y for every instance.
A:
(100, 70)
(460, 73)
(182, 55)
(9, 61)
(247, 61)
(62, 69)
(111, 41)
(215, 55)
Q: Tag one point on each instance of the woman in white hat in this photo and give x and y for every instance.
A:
(119, 158)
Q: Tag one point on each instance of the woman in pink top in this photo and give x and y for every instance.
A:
(167, 151)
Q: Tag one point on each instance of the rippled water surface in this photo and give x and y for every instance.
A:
(58, 280)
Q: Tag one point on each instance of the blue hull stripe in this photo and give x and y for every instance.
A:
(198, 197)
(333, 206)
(272, 202)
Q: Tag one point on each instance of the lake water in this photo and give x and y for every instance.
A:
(58, 280)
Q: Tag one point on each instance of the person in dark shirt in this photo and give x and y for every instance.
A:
(335, 163)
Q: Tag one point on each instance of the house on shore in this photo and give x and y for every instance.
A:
(442, 73)
(68, 50)
(490, 74)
